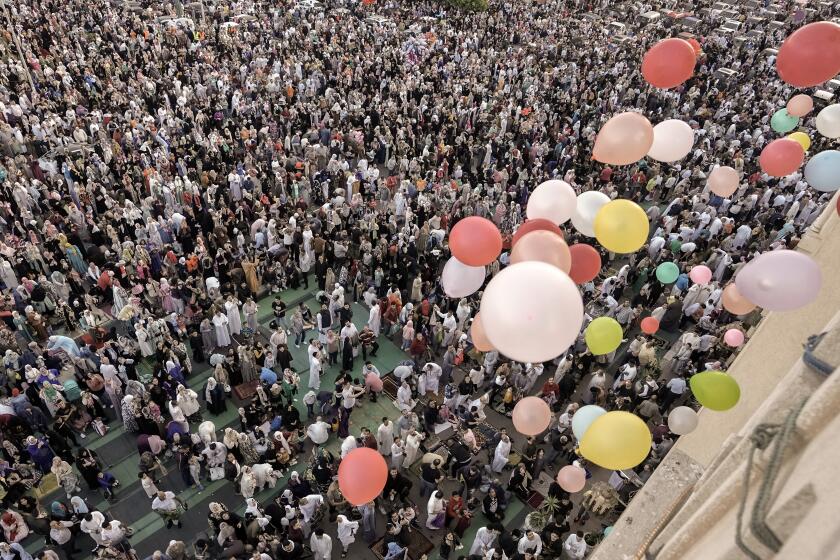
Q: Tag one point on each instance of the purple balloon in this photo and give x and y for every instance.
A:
(780, 280)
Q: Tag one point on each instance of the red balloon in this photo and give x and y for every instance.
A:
(586, 263)
(475, 241)
(781, 157)
(838, 205)
(810, 55)
(669, 63)
(362, 475)
(695, 44)
(650, 325)
(533, 225)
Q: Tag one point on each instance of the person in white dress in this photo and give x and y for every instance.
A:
(375, 320)
(143, 340)
(404, 400)
(348, 445)
(385, 437)
(233, 315)
(220, 322)
(431, 373)
(397, 453)
(501, 455)
(321, 545)
(412, 447)
(346, 533)
(315, 369)
(483, 541)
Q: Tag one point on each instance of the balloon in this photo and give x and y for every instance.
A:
(669, 63)
(700, 274)
(781, 157)
(715, 389)
(362, 475)
(535, 225)
(649, 325)
(531, 416)
(783, 122)
(571, 478)
(583, 418)
(810, 55)
(734, 302)
(588, 204)
(682, 420)
(459, 280)
(531, 311)
(672, 141)
(828, 121)
(780, 280)
(802, 139)
(624, 139)
(617, 440)
(475, 241)
(723, 181)
(621, 226)
(543, 246)
(478, 336)
(695, 44)
(586, 263)
(823, 171)
(667, 272)
(603, 335)
(608, 530)
(734, 338)
(552, 200)
(800, 105)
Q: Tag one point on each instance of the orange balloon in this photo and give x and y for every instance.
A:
(781, 157)
(810, 55)
(586, 263)
(362, 475)
(734, 302)
(800, 105)
(649, 325)
(475, 241)
(534, 225)
(545, 246)
(624, 139)
(531, 416)
(479, 338)
(669, 63)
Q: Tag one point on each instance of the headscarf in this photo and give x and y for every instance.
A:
(79, 505)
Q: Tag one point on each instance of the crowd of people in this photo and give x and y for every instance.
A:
(161, 177)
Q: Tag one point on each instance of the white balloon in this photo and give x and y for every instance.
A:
(682, 420)
(672, 141)
(553, 200)
(828, 121)
(588, 204)
(460, 280)
(531, 311)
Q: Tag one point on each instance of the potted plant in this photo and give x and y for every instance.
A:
(537, 520)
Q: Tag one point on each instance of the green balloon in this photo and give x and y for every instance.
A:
(783, 122)
(608, 530)
(715, 389)
(603, 335)
(667, 272)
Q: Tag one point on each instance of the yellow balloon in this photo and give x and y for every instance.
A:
(621, 226)
(802, 138)
(616, 441)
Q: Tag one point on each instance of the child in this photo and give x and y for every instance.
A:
(148, 484)
(195, 472)
(108, 483)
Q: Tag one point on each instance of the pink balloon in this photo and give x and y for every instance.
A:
(700, 274)
(624, 139)
(780, 280)
(800, 105)
(781, 157)
(571, 478)
(531, 416)
(734, 338)
(723, 181)
(542, 245)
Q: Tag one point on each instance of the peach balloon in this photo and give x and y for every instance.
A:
(734, 302)
(479, 339)
(723, 181)
(800, 105)
(624, 139)
(531, 416)
(669, 63)
(545, 246)
(571, 478)
(362, 475)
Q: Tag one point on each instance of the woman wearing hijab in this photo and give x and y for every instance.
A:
(66, 477)
(129, 414)
(346, 533)
(214, 394)
(88, 464)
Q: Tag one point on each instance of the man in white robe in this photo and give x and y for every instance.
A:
(500, 456)
(484, 539)
(321, 545)
(385, 437)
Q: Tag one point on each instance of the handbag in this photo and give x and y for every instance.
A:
(217, 473)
